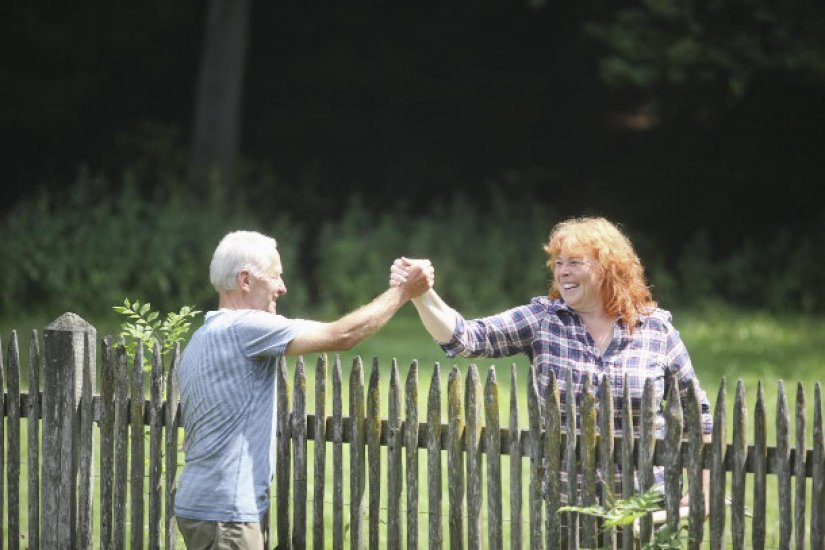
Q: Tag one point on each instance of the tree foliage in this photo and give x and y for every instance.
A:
(716, 45)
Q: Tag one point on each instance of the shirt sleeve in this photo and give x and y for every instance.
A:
(265, 334)
(507, 333)
(680, 364)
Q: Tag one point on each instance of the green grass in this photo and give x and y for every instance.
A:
(723, 343)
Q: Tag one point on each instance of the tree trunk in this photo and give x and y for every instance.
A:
(216, 128)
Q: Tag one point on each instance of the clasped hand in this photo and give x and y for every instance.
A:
(402, 268)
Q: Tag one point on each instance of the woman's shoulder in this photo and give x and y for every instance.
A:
(548, 307)
(658, 317)
(543, 302)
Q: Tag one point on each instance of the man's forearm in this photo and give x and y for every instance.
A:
(365, 321)
(351, 329)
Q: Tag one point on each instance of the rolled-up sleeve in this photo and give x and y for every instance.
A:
(685, 375)
(502, 335)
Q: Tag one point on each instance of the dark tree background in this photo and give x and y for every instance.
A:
(669, 119)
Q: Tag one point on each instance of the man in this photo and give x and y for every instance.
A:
(227, 386)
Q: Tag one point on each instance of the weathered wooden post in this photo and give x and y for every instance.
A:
(69, 344)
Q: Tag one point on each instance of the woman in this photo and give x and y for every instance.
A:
(599, 318)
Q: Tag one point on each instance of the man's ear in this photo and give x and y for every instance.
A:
(243, 279)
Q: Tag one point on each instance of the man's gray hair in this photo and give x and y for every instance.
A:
(239, 250)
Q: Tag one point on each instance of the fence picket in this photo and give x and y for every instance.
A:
(536, 461)
(552, 462)
(283, 453)
(121, 435)
(373, 427)
(782, 466)
(33, 426)
(818, 474)
(337, 456)
(411, 447)
(646, 446)
(799, 470)
(695, 468)
(299, 458)
(320, 452)
(155, 448)
(572, 462)
(587, 450)
(760, 469)
(172, 421)
(455, 462)
(357, 458)
(493, 443)
(674, 428)
(472, 443)
(740, 453)
(607, 461)
(2, 438)
(394, 464)
(515, 463)
(13, 426)
(85, 448)
(628, 445)
(434, 479)
(136, 468)
(107, 442)
(717, 470)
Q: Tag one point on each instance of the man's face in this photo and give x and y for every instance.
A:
(264, 290)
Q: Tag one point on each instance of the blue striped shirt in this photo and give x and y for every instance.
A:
(227, 390)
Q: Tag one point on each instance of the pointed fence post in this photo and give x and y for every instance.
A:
(68, 341)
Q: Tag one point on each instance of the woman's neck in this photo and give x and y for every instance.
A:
(600, 327)
(595, 316)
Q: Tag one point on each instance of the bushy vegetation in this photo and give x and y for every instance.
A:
(85, 250)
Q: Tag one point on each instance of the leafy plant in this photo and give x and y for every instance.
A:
(626, 511)
(145, 325)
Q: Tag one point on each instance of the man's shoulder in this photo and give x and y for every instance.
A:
(246, 322)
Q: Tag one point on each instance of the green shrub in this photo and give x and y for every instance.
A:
(353, 256)
(98, 241)
(89, 247)
(485, 259)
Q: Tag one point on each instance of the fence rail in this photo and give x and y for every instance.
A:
(96, 438)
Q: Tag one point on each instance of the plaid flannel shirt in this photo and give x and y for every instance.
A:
(554, 338)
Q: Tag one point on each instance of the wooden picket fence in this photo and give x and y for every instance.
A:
(93, 460)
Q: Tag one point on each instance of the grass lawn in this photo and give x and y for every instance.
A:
(723, 343)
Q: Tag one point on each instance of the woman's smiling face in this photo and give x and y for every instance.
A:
(579, 280)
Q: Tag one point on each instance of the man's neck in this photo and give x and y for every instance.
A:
(230, 299)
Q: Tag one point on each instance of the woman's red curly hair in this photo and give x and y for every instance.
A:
(624, 290)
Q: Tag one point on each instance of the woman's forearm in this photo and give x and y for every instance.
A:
(437, 317)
